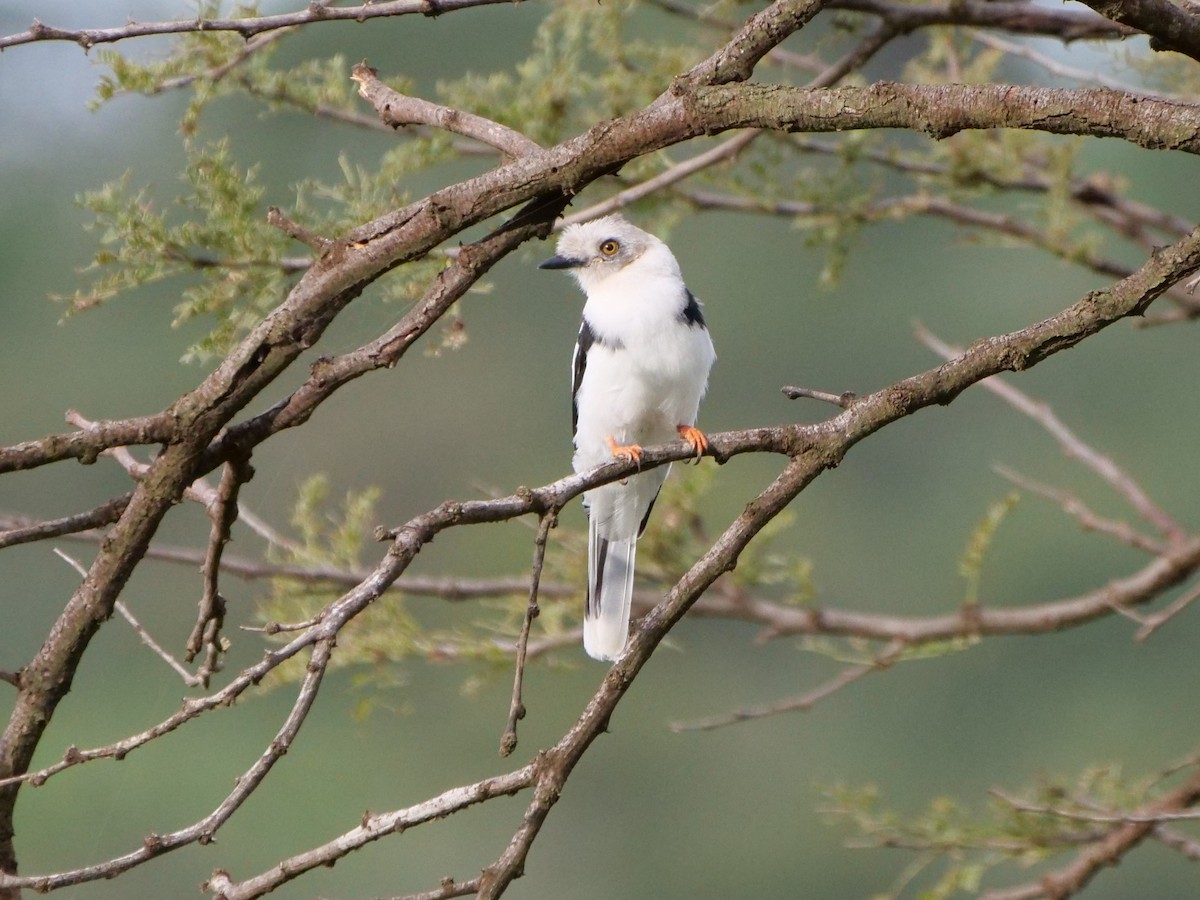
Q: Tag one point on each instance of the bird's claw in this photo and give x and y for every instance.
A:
(628, 452)
(695, 439)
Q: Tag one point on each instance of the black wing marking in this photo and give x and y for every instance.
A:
(587, 338)
(649, 509)
(578, 365)
(691, 315)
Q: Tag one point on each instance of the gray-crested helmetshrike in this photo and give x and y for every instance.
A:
(640, 368)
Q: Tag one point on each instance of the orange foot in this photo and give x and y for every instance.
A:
(628, 452)
(695, 437)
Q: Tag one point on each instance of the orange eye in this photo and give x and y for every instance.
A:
(609, 247)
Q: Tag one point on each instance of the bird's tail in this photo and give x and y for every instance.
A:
(610, 593)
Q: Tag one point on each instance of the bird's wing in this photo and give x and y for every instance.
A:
(691, 314)
(578, 365)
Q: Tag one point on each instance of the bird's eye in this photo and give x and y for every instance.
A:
(609, 247)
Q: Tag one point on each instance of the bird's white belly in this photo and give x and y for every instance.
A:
(639, 394)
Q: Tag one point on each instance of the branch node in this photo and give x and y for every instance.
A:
(296, 231)
(844, 400)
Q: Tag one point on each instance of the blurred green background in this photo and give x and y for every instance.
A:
(648, 813)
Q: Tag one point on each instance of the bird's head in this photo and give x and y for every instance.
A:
(595, 251)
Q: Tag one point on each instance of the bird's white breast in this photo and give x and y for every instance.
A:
(648, 368)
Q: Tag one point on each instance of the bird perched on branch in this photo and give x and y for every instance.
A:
(640, 368)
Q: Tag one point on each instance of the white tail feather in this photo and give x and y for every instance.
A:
(610, 594)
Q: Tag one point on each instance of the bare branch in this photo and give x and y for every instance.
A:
(188, 678)
(516, 709)
(761, 33)
(374, 826)
(87, 444)
(21, 530)
(1176, 841)
(726, 150)
(216, 73)
(319, 11)
(843, 401)
(1007, 15)
(1153, 622)
(205, 829)
(945, 109)
(222, 512)
(1109, 849)
(1050, 64)
(1103, 817)
(1112, 474)
(1170, 26)
(397, 109)
(1078, 510)
(297, 231)
(803, 703)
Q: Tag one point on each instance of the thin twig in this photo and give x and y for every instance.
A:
(843, 400)
(1121, 481)
(727, 149)
(210, 616)
(804, 702)
(1054, 67)
(1152, 623)
(1125, 832)
(516, 709)
(1102, 817)
(317, 243)
(1169, 837)
(199, 490)
(449, 888)
(204, 830)
(1078, 510)
(188, 678)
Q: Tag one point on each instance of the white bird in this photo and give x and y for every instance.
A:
(640, 368)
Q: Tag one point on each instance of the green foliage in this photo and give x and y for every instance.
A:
(216, 235)
(391, 632)
(970, 565)
(588, 62)
(1053, 818)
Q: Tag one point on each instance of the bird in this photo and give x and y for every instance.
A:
(638, 373)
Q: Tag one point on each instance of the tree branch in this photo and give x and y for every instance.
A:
(1015, 16)
(1074, 448)
(1107, 851)
(318, 11)
(87, 444)
(20, 530)
(516, 708)
(397, 110)
(945, 109)
(1170, 26)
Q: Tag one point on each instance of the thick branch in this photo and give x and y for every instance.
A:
(1170, 26)
(946, 109)
(762, 32)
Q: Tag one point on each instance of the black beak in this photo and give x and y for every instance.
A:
(562, 262)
